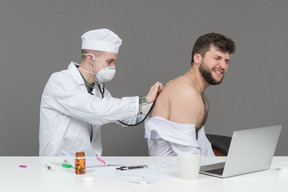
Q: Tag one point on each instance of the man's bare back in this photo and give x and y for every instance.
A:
(181, 102)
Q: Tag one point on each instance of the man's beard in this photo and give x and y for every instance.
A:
(207, 75)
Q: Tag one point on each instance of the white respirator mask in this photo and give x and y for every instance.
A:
(104, 74)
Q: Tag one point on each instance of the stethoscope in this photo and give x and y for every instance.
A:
(102, 91)
(131, 125)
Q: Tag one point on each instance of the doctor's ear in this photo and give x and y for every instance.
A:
(90, 56)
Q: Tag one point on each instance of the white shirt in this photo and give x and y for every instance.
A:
(167, 138)
(71, 118)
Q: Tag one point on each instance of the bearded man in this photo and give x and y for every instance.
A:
(176, 124)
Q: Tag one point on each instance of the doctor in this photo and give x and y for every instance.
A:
(75, 102)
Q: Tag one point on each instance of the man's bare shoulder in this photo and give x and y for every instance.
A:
(179, 101)
(181, 87)
(185, 101)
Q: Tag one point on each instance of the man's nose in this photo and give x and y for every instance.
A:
(223, 64)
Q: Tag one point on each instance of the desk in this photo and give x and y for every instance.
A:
(36, 178)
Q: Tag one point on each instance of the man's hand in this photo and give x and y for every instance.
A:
(154, 91)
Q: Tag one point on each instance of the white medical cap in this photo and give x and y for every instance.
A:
(101, 40)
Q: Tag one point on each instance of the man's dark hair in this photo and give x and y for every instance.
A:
(203, 43)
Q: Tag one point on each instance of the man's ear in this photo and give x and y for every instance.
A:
(197, 58)
(90, 58)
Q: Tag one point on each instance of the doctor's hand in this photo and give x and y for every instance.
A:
(154, 91)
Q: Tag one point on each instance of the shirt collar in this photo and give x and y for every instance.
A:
(88, 85)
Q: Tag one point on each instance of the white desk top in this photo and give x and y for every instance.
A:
(36, 178)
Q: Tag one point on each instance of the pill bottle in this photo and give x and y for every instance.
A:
(80, 163)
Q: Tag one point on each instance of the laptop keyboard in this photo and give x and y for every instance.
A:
(216, 171)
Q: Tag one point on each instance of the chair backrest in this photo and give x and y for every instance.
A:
(220, 144)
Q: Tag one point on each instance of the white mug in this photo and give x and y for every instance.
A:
(188, 165)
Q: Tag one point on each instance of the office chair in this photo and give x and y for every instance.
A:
(220, 144)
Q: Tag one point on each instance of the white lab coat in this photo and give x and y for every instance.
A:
(71, 118)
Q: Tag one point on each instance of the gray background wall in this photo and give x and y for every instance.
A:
(38, 38)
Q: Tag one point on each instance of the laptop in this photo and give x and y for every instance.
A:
(250, 150)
